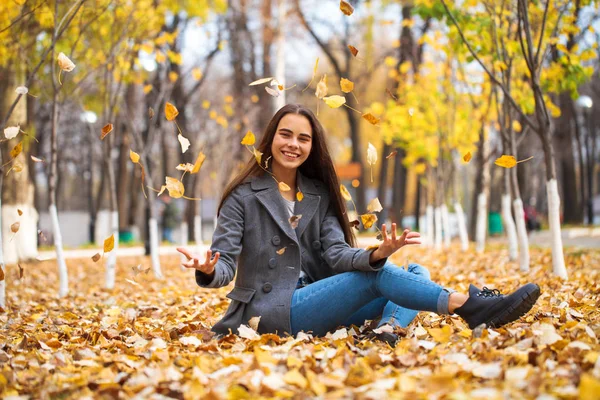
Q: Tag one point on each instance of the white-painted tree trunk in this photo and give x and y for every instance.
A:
(481, 227)
(437, 215)
(63, 276)
(153, 226)
(198, 230)
(280, 62)
(558, 257)
(183, 241)
(446, 225)
(111, 261)
(430, 233)
(24, 245)
(462, 226)
(509, 225)
(522, 235)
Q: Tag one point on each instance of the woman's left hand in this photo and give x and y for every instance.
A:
(391, 243)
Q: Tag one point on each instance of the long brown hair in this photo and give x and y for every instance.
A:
(318, 165)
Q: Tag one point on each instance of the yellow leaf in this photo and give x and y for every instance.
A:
(346, 85)
(284, 187)
(467, 157)
(174, 186)
(281, 251)
(345, 193)
(371, 118)
(506, 161)
(109, 243)
(390, 61)
(346, 7)
(108, 128)
(206, 104)
(516, 125)
(405, 66)
(294, 377)
(261, 81)
(65, 63)
(589, 387)
(249, 139)
(335, 101)
(299, 196)
(258, 156)
(173, 76)
(160, 57)
(368, 220)
(441, 335)
(16, 150)
(135, 157)
(374, 206)
(198, 164)
(322, 87)
(14, 228)
(147, 88)
(420, 168)
(171, 111)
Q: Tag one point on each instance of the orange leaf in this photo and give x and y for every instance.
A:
(346, 7)
(299, 196)
(109, 243)
(353, 50)
(171, 112)
(467, 157)
(108, 128)
(371, 118)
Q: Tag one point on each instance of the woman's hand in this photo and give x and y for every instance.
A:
(208, 267)
(391, 243)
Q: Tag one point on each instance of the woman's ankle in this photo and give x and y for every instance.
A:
(456, 300)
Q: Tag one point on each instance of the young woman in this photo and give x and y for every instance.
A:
(295, 256)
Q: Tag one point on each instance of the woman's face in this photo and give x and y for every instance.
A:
(292, 141)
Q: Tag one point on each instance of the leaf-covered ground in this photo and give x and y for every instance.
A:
(150, 338)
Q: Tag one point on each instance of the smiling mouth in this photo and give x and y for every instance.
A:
(290, 155)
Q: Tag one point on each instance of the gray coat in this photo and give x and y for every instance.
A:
(252, 226)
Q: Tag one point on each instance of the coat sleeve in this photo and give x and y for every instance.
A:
(338, 254)
(227, 240)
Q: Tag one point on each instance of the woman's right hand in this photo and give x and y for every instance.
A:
(207, 267)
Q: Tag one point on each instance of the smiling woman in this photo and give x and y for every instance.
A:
(296, 262)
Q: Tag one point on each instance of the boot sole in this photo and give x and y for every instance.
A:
(515, 310)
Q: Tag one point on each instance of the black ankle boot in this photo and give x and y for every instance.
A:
(492, 308)
(387, 337)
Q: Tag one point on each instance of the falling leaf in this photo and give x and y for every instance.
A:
(374, 206)
(14, 228)
(281, 251)
(353, 50)
(109, 243)
(132, 282)
(21, 90)
(16, 150)
(261, 81)
(368, 220)
(35, 159)
(65, 63)
(345, 193)
(150, 112)
(392, 154)
(1, 275)
(173, 186)
(249, 139)
(246, 332)
(346, 7)
(272, 92)
(171, 112)
(284, 187)
(135, 157)
(19, 212)
(196, 74)
(299, 195)
(467, 157)
(198, 164)
(185, 167)
(321, 87)
(258, 156)
(313, 74)
(371, 154)
(294, 219)
(335, 101)
(507, 161)
(147, 88)
(346, 85)
(355, 224)
(108, 128)
(184, 142)
(11, 132)
(516, 125)
(96, 257)
(173, 76)
(371, 118)
(254, 321)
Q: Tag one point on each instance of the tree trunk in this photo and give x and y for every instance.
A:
(360, 198)
(518, 211)
(280, 65)
(152, 231)
(509, 225)
(398, 187)
(114, 214)
(125, 189)
(382, 189)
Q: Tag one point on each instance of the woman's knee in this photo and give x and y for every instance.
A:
(419, 270)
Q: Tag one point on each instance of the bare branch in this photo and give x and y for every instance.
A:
(539, 46)
(20, 17)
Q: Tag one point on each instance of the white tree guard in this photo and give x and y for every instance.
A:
(558, 258)
(437, 215)
(446, 225)
(462, 226)
(522, 235)
(153, 227)
(481, 227)
(111, 261)
(511, 230)
(63, 276)
(198, 230)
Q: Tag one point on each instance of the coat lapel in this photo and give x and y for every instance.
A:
(308, 206)
(273, 203)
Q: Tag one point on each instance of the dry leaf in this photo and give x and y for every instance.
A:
(368, 220)
(374, 206)
(185, 167)
(14, 228)
(353, 50)
(246, 332)
(1, 275)
(371, 155)
(21, 270)
(184, 142)
(281, 251)
(109, 243)
(22, 90)
(16, 150)
(254, 321)
(261, 81)
(135, 157)
(11, 132)
(198, 164)
(335, 101)
(150, 113)
(65, 63)
(35, 159)
(171, 112)
(257, 156)
(96, 257)
(371, 118)
(294, 220)
(506, 161)
(249, 139)
(284, 187)
(346, 7)
(19, 212)
(467, 157)
(392, 154)
(108, 128)
(272, 92)
(321, 87)
(299, 195)
(345, 193)
(346, 85)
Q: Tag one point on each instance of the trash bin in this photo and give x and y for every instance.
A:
(125, 237)
(495, 224)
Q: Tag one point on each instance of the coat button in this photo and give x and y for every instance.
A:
(272, 263)
(316, 245)
(267, 287)
(275, 240)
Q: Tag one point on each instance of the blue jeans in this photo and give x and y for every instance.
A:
(352, 297)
